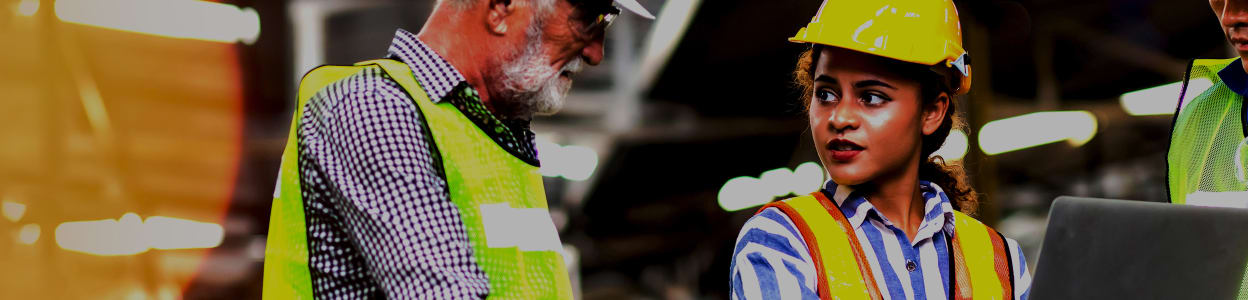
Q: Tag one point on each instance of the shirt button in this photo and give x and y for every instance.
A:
(910, 265)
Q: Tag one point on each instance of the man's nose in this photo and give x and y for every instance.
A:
(592, 53)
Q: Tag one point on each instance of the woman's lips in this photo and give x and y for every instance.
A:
(843, 150)
(844, 155)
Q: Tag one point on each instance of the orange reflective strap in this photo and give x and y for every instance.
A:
(961, 278)
(1003, 262)
(811, 244)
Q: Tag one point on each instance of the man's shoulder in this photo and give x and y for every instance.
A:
(368, 95)
(368, 81)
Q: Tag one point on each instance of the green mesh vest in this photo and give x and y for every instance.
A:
(1205, 160)
(1206, 157)
(500, 199)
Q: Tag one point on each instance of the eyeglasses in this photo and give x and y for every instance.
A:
(595, 14)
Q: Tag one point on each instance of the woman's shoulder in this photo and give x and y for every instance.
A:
(771, 231)
(768, 224)
(769, 254)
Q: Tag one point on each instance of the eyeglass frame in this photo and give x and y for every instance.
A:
(602, 21)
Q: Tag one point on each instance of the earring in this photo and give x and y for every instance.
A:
(501, 28)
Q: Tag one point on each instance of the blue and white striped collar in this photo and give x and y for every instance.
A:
(938, 211)
(437, 76)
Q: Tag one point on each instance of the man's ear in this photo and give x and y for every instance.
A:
(934, 113)
(497, 16)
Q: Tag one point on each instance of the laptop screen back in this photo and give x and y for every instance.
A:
(1117, 249)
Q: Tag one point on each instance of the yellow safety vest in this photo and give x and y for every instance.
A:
(1207, 154)
(980, 258)
(491, 188)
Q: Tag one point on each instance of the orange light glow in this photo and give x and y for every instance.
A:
(171, 115)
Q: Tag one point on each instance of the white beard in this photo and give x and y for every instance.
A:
(532, 84)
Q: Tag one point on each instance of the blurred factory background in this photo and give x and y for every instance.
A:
(140, 139)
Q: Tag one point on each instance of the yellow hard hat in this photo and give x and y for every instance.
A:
(925, 32)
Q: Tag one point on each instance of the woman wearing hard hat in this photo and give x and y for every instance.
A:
(892, 223)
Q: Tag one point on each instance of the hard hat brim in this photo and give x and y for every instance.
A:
(636, 8)
(961, 86)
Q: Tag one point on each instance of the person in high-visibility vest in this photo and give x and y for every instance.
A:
(892, 222)
(1207, 159)
(416, 176)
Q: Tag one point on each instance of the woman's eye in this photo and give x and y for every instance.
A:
(873, 99)
(825, 95)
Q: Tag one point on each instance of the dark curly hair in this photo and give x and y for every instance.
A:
(949, 176)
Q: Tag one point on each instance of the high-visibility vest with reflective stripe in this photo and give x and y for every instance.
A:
(1208, 154)
(981, 263)
(499, 197)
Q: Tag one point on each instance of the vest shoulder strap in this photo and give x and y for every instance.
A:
(980, 278)
(839, 277)
(1217, 64)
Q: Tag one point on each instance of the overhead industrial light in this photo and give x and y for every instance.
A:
(187, 19)
(27, 7)
(28, 234)
(131, 235)
(12, 210)
(1162, 100)
(1035, 129)
(745, 191)
(955, 146)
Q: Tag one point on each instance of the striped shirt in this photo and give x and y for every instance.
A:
(771, 259)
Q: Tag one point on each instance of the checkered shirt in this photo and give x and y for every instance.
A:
(380, 221)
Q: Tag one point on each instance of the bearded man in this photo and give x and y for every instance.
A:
(416, 176)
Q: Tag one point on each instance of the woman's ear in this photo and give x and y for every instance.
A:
(934, 113)
(497, 16)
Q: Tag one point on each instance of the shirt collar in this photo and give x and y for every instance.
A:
(937, 217)
(442, 82)
(1234, 77)
(437, 76)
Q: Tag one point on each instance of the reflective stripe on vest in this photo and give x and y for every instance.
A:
(500, 200)
(831, 239)
(1206, 157)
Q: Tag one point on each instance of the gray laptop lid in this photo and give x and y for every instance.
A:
(1117, 249)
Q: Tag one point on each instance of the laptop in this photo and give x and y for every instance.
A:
(1118, 249)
